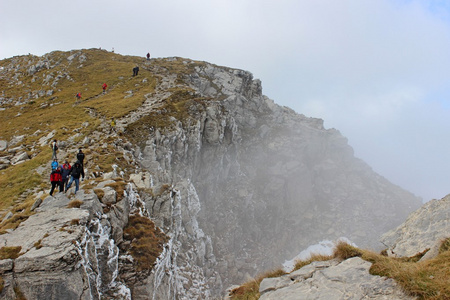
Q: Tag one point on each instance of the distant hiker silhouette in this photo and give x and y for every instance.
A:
(104, 86)
(148, 56)
(80, 157)
(56, 180)
(54, 146)
(135, 71)
(78, 96)
(113, 125)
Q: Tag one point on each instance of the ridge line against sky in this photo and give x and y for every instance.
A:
(376, 70)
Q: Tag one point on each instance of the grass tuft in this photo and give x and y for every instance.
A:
(250, 289)
(10, 252)
(344, 251)
(75, 204)
(119, 187)
(314, 257)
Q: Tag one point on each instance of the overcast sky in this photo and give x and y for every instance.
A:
(377, 70)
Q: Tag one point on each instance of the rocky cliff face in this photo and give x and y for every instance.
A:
(236, 182)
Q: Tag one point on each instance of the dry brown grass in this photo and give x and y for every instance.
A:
(147, 241)
(344, 251)
(39, 114)
(119, 187)
(100, 193)
(10, 252)
(21, 212)
(38, 244)
(17, 179)
(428, 280)
(75, 204)
(314, 257)
(250, 289)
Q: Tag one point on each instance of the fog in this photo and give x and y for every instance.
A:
(376, 70)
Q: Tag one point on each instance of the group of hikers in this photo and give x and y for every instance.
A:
(59, 177)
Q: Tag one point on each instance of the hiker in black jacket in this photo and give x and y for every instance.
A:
(75, 173)
(80, 157)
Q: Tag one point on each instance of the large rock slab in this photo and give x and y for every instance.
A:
(49, 263)
(422, 229)
(349, 279)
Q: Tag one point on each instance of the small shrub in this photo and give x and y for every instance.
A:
(119, 187)
(10, 252)
(38, 244)
(445, 246)
(147, 241)
(250, 289)
(247, 291)
(100, 193)
(344, 251)
(19, 295)
(75, 204)
(314, 257)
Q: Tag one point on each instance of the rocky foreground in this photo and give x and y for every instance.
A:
(423, 231)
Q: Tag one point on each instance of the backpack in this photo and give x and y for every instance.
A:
(54, 176)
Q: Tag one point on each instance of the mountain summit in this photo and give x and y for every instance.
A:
(194, 179)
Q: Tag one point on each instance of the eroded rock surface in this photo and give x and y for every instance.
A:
(331, 280)
(424, 229)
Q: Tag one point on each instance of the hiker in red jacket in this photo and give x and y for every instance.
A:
(104, 86)
(56, 180)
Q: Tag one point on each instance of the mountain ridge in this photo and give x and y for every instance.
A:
(237, 182)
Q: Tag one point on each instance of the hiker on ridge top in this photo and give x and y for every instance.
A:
(148, 56)
(56, 180)
(104, 86)
(75, 172)
(80, 157)
(54, 146)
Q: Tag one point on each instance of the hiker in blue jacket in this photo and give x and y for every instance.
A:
(54, 164)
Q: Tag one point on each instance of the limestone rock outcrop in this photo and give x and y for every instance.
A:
(329, 280)
(424, 229)
(269, 181)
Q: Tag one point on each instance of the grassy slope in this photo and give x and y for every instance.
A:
(59, 111)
